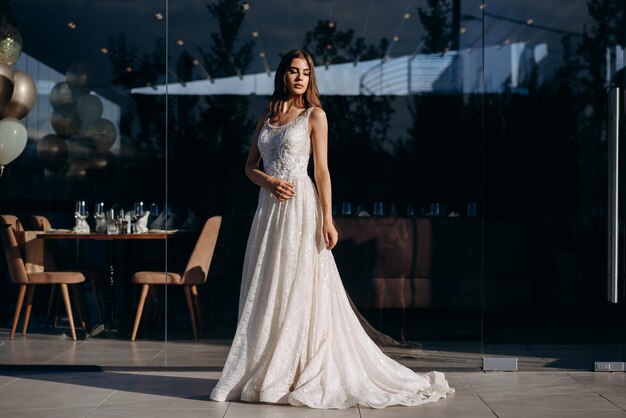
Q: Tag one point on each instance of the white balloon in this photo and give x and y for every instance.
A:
(13, 137)
(89, 109)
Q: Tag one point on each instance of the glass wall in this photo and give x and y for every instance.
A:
(467, 149)
(89, 140)
(404, 109)
(546, 180)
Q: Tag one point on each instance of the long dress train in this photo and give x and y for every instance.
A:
(298, 340)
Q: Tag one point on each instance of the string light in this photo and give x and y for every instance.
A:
(180, 42)
(482, 6)
(331, 24)
(207, 76)
(462, 30)
(507, 41)
(257, 37)
(396, 36)
(159, 15)
(530, 21)
(245, 6)
(129, 69)
(104, 50)
(364, 30)
(71, 25)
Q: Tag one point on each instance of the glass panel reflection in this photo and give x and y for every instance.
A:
(546, 184)
(92, 151)
(406, 176)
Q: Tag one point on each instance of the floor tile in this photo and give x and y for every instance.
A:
(105, 412)
(552, 381)
(259, 410)
(48, 412)
(6, 380)
(28, 394)
(563, 413)
(469, 406)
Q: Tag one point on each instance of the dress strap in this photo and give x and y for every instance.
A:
(309, 111)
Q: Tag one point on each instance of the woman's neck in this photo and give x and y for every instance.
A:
(292, 102)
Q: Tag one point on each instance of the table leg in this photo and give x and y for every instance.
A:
(109, 291)
(109, 321)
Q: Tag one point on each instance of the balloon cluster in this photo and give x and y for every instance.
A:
(82, 138)
(18, 94)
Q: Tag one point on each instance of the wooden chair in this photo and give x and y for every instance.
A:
(42, 223)
(195, 274)
(28, 281)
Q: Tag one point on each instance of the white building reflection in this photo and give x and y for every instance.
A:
(507, 68)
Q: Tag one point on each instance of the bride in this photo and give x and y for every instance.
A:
(298, 341)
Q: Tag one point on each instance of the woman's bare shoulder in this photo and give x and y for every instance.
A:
(317, 114)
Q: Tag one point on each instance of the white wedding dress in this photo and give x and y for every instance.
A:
(298, 340)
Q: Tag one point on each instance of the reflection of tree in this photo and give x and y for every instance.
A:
(546, 161)
(586, 82)
(328, 45)
(606, 32)
(223, 59)
(207, 135)
(358, 125)
(142, 120)
(210, 142)
(443, 144)
(437, 24)
(129, 70)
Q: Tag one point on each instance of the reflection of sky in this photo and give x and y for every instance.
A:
(282, 25)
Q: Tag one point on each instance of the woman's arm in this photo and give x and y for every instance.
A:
(282, 189)
(319, 139)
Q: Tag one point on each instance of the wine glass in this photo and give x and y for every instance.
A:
(435, 209)
(154, 210)
(115, 207)
(346, 208)
(99, 210)
(81, 208)
(137, 213)
(378, 208)
(471, 209)
(139, 209)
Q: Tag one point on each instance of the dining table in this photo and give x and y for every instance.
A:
(110, 320)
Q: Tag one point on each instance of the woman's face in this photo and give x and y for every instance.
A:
(297, 77)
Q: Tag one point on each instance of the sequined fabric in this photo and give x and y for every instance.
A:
(298, 340)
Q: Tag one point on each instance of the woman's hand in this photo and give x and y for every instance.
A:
(331, 236)
(281, 189)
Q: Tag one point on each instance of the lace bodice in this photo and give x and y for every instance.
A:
(286, 149)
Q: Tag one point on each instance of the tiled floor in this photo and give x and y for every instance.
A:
(175, 379)
(185, 394)
(210, 354)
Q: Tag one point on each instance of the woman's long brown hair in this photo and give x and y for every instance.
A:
(311, 96)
